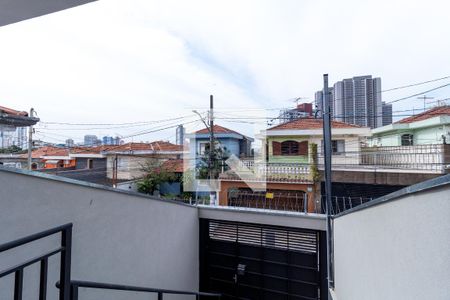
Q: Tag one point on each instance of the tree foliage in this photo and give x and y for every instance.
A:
(11, 149)
(155, 174)
(219, 156)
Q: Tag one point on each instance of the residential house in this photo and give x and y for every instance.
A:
(230, 141)
(291, 142)
(429, 127)
(13, 125)
(126, 162)
(90, 165)
(54, 157)
(420, 142)
(290, 153)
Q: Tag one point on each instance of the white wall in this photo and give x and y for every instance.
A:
(117, 237)
(396, 250)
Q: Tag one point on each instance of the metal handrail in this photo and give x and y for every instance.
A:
(33, 237)
(75, 284)
(64, 249)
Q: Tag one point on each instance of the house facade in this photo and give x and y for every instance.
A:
(126, 162)
(429, 127)
(292, 142)
(230, 141)
(293, 153)
(13, 131)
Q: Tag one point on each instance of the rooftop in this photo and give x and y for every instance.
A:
(14, 112)
(16, 118)
(153, 146)
(434, 112)
(311, 123)
(216, 129)
(173, 165)
(48, 151)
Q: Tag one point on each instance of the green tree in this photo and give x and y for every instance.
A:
(219, 156)
(155, 174)
(11, 149)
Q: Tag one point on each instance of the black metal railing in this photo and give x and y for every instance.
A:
(64, 249)
(75, 285)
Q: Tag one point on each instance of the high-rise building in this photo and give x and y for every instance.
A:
(386, 113)
(70, 143)
(108, 140)
(118, 141)
(180, 131)
(13, 136)
(356, 100)
(318, 100)
(90, 140)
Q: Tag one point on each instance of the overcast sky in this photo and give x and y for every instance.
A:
(131, 61)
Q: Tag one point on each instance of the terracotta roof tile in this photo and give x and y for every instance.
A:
(48, 151)
(217, 129)
(153, 146)
(173, 165)
(310, 123)
(91, 150)
(11, 111)
(434, 112)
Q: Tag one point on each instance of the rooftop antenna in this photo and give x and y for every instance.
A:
(425, 98)
(297, 99)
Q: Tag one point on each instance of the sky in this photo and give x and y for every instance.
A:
(145, 62)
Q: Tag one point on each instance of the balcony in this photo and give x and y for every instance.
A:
(271, 172)
(431, 159)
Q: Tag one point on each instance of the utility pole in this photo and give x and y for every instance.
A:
(114, 175)
(327, 159)
(212, 196)
(30, 140)
(211, 138)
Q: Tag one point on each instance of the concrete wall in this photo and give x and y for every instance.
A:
(97, 163)
(118, 237)
(398, 249)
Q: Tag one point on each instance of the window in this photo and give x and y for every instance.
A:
(407, 140)
(337, 147)
(289, 148)
(90, 164)
(203, 148)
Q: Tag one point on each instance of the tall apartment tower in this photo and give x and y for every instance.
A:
(180, 132)
(318, 98)
(386, 113)
(357, 101)
(90, 140)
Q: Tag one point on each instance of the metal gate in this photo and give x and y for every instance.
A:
(252, 261)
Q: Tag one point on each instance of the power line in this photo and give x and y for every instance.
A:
(415, 84)
(112, 124)
(418, 94)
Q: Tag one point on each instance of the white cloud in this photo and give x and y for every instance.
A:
(114, 61)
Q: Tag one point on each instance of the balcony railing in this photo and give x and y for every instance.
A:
(68, 289)
(75, 285)
(420, 158)
(65, 260)
(272, 172)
